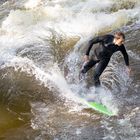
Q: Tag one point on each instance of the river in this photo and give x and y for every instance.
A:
(42, 44)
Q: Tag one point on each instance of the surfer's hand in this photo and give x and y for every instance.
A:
(129, 70)
(86, 58)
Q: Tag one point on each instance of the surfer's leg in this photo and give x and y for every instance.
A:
(98, 71)
(88, 65)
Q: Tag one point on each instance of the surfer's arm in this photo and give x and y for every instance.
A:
(125, 55)
(93, 41)
(126, 58)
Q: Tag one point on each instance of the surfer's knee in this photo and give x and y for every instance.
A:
(84, 68)
(96, 79)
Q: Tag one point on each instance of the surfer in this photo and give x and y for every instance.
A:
(108, 44)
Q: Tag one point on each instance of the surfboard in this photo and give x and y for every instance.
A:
(98, 107)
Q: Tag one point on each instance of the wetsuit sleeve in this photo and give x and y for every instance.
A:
(93, 41)
(125, 55)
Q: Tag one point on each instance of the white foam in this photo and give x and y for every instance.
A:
(81, 19)
(32, 4)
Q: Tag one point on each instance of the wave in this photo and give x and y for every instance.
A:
(29, 35)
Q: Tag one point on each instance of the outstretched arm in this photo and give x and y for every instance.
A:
(125, 55)
(126, 58)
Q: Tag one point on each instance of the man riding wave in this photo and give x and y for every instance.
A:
(108, 45)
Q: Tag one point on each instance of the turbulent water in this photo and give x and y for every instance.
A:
(42, 43)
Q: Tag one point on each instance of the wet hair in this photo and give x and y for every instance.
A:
(120, 34)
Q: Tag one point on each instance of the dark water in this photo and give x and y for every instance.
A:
(40, 58)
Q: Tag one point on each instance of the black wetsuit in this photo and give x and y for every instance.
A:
(102, 55)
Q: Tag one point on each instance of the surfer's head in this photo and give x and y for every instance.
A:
(119, 38)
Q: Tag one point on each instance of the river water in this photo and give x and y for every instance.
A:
(42, 43)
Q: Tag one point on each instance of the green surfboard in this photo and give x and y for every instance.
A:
(98, 107)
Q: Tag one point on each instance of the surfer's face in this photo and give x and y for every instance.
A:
(118, 40)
